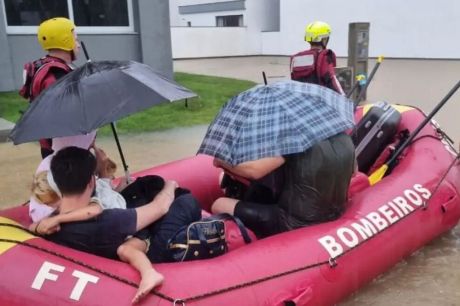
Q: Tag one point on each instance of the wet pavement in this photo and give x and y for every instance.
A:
(5, 128)
(422, 83)
(18, 163)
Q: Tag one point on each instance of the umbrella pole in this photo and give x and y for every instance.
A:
(125, 166)
(112, 125)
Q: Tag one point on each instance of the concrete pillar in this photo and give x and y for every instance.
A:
(155, 35)
(6, 72)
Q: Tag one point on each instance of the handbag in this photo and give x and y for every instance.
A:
(203, 239)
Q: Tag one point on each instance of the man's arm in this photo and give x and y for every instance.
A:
(254, 169)
(51, 224)
(151, 212)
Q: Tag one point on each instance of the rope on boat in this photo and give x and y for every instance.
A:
(159, 294)
(332, 261)
(457, 158)
(75, 261)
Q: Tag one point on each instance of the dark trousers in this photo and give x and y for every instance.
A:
(183, 211)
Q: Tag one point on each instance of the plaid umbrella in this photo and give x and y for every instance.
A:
(273, 120)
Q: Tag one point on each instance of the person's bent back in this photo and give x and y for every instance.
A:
(317, 183)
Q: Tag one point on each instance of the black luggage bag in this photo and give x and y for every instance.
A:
(373, 133)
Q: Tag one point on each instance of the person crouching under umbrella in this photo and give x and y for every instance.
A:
(314, 190)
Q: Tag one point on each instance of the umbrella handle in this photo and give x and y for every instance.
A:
(115, 135)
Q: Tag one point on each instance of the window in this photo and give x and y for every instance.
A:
(229, 21)
(100, 13)
(90, 16)
(32, 12)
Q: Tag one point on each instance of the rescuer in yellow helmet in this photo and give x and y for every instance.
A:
(316, 65)
(56, 36)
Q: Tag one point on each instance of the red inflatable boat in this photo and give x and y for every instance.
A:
(316, 265)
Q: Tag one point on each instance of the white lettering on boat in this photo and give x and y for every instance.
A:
(45, 274)
(83, 280)
(375, 221)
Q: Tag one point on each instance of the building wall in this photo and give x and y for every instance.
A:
(203, 39)
(270, 10)
(208, 19)
(399, 29)
(195, 42)
(6, 71)
(100, 47)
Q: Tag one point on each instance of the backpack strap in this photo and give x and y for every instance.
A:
(42, 72)
(36, 72)
(325, 57)
(242, 228)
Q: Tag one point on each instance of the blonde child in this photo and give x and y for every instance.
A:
(132, 251)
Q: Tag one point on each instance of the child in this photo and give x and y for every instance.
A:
(133, 250)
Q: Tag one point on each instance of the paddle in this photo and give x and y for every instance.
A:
(112, 125)
(265, 77)
(380, 173)
(359, 78)
(371, 76)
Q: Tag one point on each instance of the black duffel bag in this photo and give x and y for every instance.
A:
(203, 239)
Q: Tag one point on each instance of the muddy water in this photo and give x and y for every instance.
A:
(18, 163)
(429, 277)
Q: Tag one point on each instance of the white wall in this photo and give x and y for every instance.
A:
(190, 42)
(399, 28)
(208, 19)
(197, 20)
(174, 17)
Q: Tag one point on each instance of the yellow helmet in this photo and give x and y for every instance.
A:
(316, 31)
(57, 33)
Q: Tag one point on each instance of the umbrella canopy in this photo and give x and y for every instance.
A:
(93, 95)
(273, 120)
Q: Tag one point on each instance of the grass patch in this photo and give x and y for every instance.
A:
(213, 92)
(10, 105)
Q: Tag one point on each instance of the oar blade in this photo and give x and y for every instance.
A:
(375, 177)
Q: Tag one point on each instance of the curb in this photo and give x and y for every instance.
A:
(5, 129)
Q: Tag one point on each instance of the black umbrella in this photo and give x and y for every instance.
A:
(93, 95)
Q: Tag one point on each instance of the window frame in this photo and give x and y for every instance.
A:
(240, 18)
(80, 29)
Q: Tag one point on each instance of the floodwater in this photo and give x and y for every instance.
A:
(18, 163)
(431, 276)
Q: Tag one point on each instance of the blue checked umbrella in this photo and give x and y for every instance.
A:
(273, 120)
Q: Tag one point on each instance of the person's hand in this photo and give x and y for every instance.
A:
(170, 186)
(217, 163)
(167, 194)
(124, 181)
(48, 226)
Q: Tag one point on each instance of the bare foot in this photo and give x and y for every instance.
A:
(149, 280)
